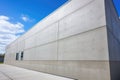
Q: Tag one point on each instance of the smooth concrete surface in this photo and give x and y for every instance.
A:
(83, 19)
(76, 69)
(85, 46)
(70, 42)
(8, 72)
(49, 51)
(47, 35)
(76, 35)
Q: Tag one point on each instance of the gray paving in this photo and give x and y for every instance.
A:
(8, 72)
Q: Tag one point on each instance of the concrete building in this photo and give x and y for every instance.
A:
(79, 41)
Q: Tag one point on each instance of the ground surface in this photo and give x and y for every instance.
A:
(8, 72)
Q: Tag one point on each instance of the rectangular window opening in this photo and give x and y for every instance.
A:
(22, 54)
(17, 56)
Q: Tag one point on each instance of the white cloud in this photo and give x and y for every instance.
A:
(8, 31)
(4, 18)
(25, 18)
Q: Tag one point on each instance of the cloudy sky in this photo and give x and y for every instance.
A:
(18, 16)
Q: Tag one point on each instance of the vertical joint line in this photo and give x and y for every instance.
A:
(58, 41)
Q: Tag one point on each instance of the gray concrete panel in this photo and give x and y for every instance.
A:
(29, 54)
(21, 45)
(79, 70)
(46, 52)
(30, 42)
(84, 19)
(47, 35)
(91, 45)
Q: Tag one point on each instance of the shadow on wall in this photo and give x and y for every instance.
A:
(113, 29)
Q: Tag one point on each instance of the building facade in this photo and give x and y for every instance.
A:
(80, 40)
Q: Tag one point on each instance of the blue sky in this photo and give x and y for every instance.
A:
(117, 6)
(18, 16)
(35, 10)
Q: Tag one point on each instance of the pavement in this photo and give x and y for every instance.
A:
(8, 72)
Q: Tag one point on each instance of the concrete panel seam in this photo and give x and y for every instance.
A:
(66, 15)
(58, 20)
(64, 38)
(41, 45)
(58, 42)
(63, 17)
(83, 32)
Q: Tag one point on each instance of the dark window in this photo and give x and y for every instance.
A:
(17, 56)
(22, 54)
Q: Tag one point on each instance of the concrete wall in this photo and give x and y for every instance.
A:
(113, 29)
(70, 42)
